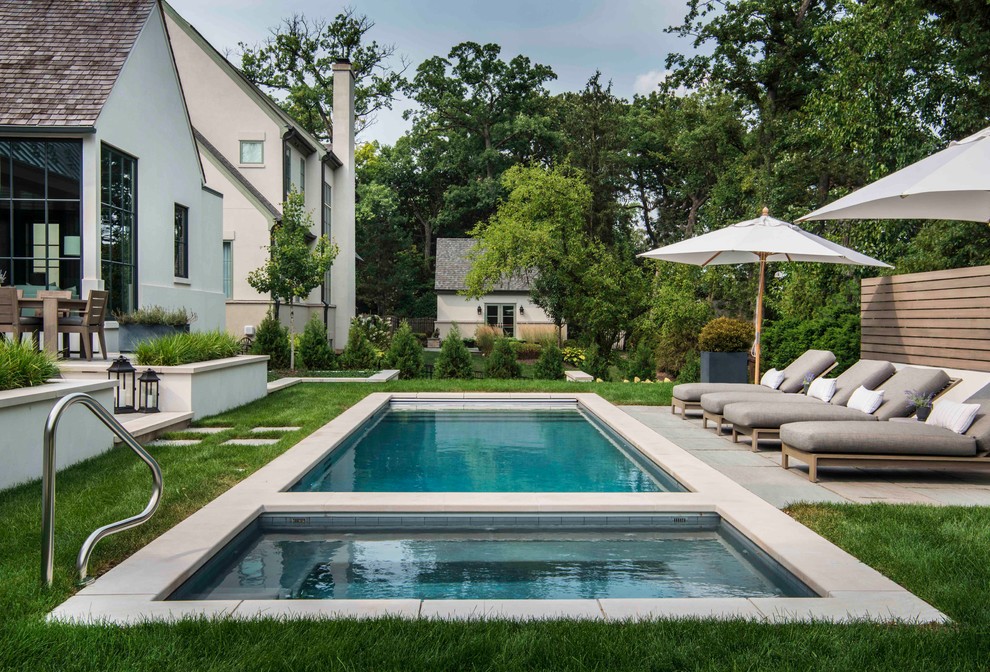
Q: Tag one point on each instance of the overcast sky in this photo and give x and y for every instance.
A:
(622, 38)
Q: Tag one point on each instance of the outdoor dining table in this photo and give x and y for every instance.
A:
(50, 307)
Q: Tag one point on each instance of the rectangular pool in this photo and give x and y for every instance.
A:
(490, 447)
(467, 556)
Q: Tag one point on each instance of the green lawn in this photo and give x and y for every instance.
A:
(941, 554)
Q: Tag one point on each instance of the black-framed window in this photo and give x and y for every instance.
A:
(181, 241)
(41, 214)
(228, 269)
(325, 229)
(302, 175)
(286, 171)
(118, 228)
(503, 316)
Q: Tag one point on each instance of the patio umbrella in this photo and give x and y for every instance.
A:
(762, 239)
(951, 184)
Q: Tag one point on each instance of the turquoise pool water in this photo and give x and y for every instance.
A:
(583, 562)
(422, 449)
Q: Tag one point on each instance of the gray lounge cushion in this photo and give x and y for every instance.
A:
(877, 438)
(815, 362)
(895, 402)
(866, 372)
(980, 429)
(771, 416)
(716, 402)
(693, 391)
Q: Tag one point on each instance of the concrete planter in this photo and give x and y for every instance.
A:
(23, 413)
(203, 388)
(724, 367)
(129, 335)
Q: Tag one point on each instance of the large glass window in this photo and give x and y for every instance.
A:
(40, 214)
(118, 216)
(503, 316)
(252, 151)
(302, 176)
(181, 241)
(228, 269)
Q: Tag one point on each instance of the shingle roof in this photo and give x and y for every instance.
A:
(453, 264)
(59, 59)
(237, 175)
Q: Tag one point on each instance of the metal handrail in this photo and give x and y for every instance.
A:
(48, 487)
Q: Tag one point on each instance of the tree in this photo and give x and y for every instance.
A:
(502, 362)
(296, 62)
(550, 365)
(406, 352)
(314, 346)
(454, 360)
(293, 269)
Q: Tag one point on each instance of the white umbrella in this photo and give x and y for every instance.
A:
(762, 239)
(951, 184)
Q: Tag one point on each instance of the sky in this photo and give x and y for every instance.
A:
(622, 38)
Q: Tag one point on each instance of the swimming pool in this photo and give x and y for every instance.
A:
(533, 557)
(490, 447)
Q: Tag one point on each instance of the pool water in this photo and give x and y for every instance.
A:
(581, 563)
(429, 449)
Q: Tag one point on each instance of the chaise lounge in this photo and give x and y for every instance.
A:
(885, 444)
(867, 373)
(761, 420)
(816, 362)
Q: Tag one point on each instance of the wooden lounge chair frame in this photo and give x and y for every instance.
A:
(815, 460)
(757, 433)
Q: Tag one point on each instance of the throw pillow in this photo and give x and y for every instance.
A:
(865, 400)
(772, 379)
(953, 415)
(822, 388)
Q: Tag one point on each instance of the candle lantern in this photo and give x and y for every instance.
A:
(125, 374)
(148, 392)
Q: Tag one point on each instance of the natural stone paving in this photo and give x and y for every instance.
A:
(249, 442)
(760, 472)
(259, 430)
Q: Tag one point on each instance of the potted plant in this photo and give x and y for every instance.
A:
(150, 322)
(724, 343)
(922, 402)
(434, 340)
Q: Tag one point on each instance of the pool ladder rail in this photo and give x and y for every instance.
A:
(48, 487)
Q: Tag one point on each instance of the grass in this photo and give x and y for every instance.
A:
(186, 348)
(939, 553)
(22, 366)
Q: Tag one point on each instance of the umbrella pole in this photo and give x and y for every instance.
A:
(759, 315)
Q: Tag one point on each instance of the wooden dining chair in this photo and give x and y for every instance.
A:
(90, 321)
(11, 320)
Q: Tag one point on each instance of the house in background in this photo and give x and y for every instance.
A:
(508, 307)
(101, 185)
(255, 154)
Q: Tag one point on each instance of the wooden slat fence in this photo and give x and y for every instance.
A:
(939, 318)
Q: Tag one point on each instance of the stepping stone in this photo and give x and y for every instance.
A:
(249, 442)
(259, 430)
(175, 442)
(204, 430)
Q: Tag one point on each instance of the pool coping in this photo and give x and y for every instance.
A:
(134, 590)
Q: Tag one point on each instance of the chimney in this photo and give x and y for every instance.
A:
(343, 285)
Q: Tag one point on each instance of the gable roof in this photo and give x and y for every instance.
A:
(236, 176)
(59, 59)
(294, 129)
(453, 263)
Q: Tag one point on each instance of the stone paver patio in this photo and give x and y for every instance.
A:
(760, 473)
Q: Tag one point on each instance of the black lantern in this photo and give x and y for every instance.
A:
(147, 400)
(123, 396)
(479, 310)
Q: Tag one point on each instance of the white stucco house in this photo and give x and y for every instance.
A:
(255, 154)
(508, 306)
(101, 185)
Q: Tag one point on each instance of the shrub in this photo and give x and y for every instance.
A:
(314, 346)
(272, 339)
(182, 348)
(22, 366)
(359, 354)
(691, 370)
(157, 315)
(376, 329)
(502, 362)
(538, 333)
(485, 337)
(574, 355)
(641, 363)
(596, 364)
(550, 365)
(528, 351)
(454, 360)
(406, 353)
(783, 341)
(676, 319)
(726, 334)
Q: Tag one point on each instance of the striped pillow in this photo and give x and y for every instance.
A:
(865, 400)
(953, 415)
